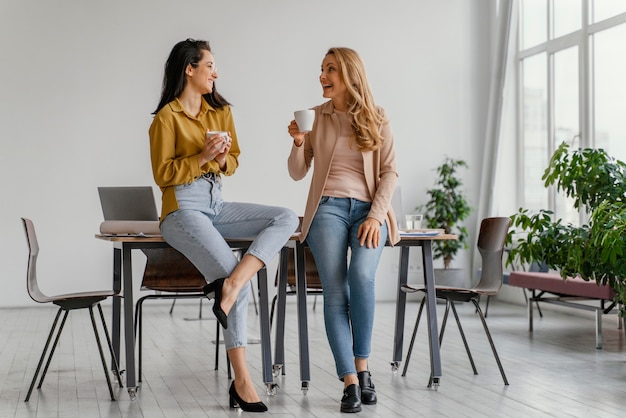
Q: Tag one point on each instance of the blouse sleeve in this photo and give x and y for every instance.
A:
(167, 168)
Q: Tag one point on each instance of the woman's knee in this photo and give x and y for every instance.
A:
(289, 218)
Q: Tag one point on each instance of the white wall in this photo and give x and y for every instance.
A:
(80, 79)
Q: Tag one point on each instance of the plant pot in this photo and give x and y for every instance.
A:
(451, 277)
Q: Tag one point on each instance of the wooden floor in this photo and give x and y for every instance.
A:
(555, 372)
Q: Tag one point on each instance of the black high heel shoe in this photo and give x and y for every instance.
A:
(236, 401)
(214, 289)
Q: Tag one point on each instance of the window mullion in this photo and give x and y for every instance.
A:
(585, 105)
(585, 87)
(550, 123)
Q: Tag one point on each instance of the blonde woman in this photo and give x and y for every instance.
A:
(348, 208)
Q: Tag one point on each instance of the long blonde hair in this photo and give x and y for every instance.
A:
(366, 117)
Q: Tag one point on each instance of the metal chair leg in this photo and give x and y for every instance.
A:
(467, 349)
(493, 347)
(230, 375)
(43, 355)
(173, 304)
(272, 310)
(487, 306)
(256, 308)
(408, 354)
(54, 346)
(217, 345)
(115, 365)
(217, 351)
(104, 363)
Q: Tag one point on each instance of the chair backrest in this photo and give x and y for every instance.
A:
(312, 276)
(168, 270)
(31, 271)
(491, 239)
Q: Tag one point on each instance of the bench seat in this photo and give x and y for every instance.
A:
(554, 283)
(573, 292)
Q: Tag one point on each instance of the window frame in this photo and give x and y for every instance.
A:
(582, 39)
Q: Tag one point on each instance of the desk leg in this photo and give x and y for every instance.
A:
(303, 333)
(117, 306)
(431, 312)
(279, 354)
(398, 338)
(129, 332)
(266, 343)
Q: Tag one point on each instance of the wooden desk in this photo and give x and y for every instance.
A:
(405, 244)
(123, 281)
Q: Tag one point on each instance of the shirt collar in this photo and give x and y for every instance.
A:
(177, 106)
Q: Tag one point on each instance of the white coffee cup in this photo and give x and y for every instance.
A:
(223, 134)
(305, 119)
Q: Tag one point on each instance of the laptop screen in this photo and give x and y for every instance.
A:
(396, 204)
(128, 203)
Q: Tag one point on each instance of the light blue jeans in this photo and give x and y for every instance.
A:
(348, 287)
(198, 230)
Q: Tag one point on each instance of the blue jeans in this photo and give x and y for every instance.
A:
(348, 287)
(198, 230)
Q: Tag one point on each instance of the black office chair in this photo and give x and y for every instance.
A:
(491, 239)
(66, 303)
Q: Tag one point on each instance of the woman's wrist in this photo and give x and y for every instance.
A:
(221, 164)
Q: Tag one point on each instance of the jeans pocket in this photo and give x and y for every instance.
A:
(325, 199)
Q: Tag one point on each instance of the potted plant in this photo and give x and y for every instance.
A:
(446, 209)
(595, 250)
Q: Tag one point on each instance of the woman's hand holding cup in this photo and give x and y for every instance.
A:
(294, 131)
(302, 123)
(216, 147)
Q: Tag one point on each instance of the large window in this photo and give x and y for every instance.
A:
(572, 63)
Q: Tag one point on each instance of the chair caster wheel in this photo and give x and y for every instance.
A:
(394, 366)
(305, 387)
(271, 389)
(277, 369)
(132, 393)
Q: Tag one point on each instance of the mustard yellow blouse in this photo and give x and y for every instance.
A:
(176, 139)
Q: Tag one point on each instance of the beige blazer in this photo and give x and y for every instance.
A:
(380, 169)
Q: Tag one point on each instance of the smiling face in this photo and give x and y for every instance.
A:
(201, 76)
(333, 86)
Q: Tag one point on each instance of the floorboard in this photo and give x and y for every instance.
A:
(555, 371)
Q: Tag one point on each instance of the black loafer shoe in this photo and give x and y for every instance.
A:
(351, 400)
(368, 392)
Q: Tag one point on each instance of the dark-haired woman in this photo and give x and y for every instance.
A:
(187, 165)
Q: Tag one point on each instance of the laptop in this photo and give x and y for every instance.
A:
(398, 208)
(128, 203)
(128, 211)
